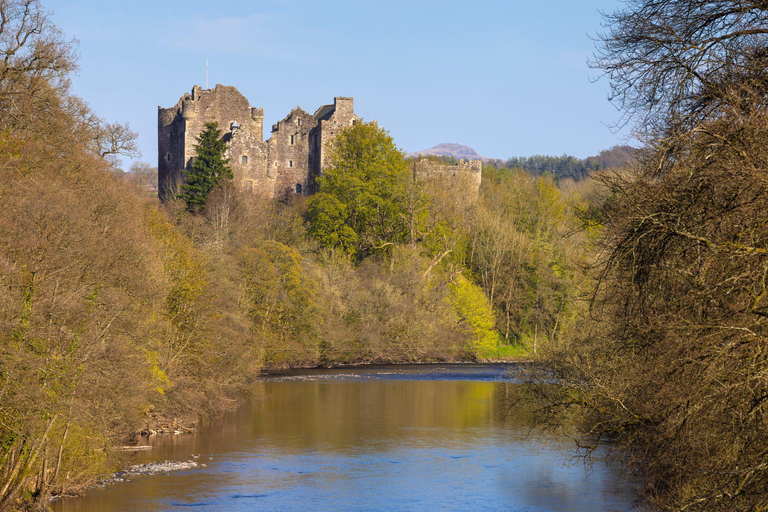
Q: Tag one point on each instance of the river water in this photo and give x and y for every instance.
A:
(380, 439)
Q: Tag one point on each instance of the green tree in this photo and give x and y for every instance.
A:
(363, 200)
(208, 168)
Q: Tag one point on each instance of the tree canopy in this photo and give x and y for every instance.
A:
(669, 61)
(362, 200)
(673, 363)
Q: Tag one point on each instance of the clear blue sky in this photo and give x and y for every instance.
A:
(508, 77)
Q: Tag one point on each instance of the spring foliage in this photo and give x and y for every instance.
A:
(120, 316)
(361, 205)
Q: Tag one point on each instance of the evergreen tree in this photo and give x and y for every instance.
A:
(208, 168)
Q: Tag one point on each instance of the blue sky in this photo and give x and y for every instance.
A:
(508, 78)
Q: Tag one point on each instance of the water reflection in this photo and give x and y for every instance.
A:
(370, 442)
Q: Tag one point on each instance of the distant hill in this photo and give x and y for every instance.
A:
(457, 151)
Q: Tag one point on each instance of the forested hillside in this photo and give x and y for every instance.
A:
(570, 167)
(118, 315)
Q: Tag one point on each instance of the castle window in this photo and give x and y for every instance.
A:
(245, 159)
(291, 140)
(249, 186)
(298, 122)
(298, 188)
(290, 163)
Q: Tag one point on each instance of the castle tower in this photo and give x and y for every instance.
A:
(285, 164)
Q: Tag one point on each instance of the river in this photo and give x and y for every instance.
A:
(378, 438)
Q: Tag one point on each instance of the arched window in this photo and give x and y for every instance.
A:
(298, 188)
(245, 159)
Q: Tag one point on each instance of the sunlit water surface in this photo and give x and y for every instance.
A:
(386, 438)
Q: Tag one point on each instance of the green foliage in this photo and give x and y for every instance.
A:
(362, 204)
(279, 299)
(327, 218)
(527, 254)
(473, 308)
(209, 168)
(184, 269)
(387, 311)
(566, 166)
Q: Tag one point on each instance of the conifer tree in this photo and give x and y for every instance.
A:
(208, 168)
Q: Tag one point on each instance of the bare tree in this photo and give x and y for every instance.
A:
(34, 55)
(668, 60)
(673, 364)
(144, 175)
(115, 139)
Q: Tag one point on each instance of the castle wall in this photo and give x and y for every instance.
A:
(468, 171)
(248, 158)
(331, 120)
(170, 150)
(287, 163)
(289, 152)
(179, 127)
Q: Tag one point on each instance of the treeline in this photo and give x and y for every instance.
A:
(569, 167)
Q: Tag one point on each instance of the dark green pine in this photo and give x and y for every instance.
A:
(208, 168)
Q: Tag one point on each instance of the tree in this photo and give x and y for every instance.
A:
(144, 175)
(673, 365)
(669, 62)
(362, 201)
(208, 168)
(34, 59)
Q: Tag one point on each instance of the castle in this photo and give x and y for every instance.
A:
(286, 163)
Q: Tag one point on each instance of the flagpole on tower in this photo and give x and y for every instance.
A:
(206, 72)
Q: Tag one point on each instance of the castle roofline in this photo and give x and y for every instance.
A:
(325, 112)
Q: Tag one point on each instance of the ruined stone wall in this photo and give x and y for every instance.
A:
(469, 172)
(170, 149)
(289, 152)
(179, 127)
(248, 158)
(331, 120)
(286, 163)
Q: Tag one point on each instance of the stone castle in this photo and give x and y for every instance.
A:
(286, 163)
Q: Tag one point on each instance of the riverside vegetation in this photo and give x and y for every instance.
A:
(118, 314)
(672, 362)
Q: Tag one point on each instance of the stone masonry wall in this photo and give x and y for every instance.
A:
(287, 163)
(179, 126)
(428, 169)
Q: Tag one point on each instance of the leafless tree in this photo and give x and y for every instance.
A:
(34, 55)
(668, 60)
(673, 364)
